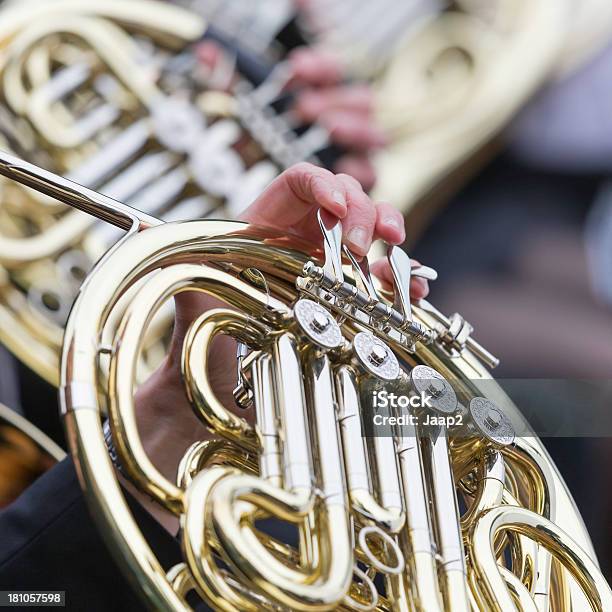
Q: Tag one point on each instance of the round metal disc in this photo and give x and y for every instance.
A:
(375, 356)
(318, 324)
(177, 123)
(426, 380)
(491, 421)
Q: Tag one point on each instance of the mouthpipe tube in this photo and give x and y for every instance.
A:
(75, 195)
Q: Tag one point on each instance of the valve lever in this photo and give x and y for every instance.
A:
(364, 278)
(424, 272)
(401, 267)
(332, 243)
(272, 86)
(403, 270)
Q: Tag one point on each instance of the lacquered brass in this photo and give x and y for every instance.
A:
(363, 506)
(111, 94)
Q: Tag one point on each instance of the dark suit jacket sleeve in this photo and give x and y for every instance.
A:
(49, 541)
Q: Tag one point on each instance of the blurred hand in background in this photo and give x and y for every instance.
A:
(319, 93)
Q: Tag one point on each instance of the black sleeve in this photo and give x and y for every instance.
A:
(48, 541)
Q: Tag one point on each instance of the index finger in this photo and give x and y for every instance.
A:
(315, 67)
(292, 196)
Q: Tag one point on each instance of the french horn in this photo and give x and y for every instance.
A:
(111, 95)
(435, 518)
(448, 77)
